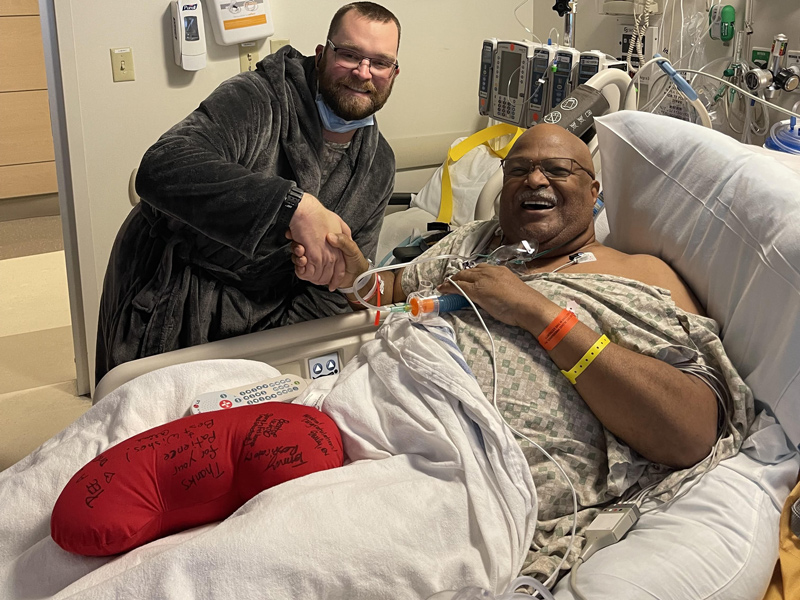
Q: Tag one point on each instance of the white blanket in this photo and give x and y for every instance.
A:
(439, 495)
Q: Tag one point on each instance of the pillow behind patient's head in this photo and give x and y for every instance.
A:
(727, 219)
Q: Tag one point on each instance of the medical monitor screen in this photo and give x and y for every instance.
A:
(510, 63)
(192, 31)
(588, 67)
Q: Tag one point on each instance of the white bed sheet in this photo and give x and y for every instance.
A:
(438, 492)
(718, 542)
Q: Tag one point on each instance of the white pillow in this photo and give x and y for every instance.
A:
(727, 219)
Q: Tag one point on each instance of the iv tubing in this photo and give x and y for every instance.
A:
(361, 279)
(554, 576)
(791, 113)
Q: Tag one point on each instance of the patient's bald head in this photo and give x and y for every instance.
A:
(561, 142)
(544, 199)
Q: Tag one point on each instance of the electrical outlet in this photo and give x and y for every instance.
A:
(793, 58)
(275, 45)
(248, 56)
(122, 64)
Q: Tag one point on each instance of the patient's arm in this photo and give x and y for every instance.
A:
(667, 416)
(355, 265)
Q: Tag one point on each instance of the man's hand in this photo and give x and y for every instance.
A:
(355, 263)
(497, 290)
(324, 264)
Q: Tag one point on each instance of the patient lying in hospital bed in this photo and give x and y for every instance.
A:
(439, 495)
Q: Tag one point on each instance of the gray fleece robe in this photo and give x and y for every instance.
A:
(199, 259)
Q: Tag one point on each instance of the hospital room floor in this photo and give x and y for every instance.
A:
(37, 363)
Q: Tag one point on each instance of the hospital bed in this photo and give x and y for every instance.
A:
(725, 216)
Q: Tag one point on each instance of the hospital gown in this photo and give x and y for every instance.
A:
(537, 400)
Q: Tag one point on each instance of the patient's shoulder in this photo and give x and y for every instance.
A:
(654, 271)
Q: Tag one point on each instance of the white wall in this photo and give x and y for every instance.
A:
(110, 125)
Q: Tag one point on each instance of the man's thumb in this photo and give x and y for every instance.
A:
(344, 242)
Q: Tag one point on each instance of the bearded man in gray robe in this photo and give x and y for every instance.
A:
(290, 151)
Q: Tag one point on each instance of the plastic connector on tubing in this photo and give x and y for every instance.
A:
(421, 306)
(682, 84)
(609, 527)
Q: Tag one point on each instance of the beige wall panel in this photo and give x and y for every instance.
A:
(32, 179)
(22, 62)
(25, 135)
(19, 7)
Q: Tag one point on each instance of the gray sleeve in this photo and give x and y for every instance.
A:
(199, 172)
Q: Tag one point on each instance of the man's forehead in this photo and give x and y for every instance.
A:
(547, 141)
(356, 29)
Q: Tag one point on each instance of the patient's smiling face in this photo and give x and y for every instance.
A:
(551, 212)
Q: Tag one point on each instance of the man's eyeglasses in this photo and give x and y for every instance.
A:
(379, 67)
(554, 169)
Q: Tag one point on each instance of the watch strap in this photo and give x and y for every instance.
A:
(288, 208)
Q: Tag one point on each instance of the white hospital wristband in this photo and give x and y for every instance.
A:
(351, 290)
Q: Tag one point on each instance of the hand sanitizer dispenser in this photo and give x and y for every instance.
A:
(188, 35)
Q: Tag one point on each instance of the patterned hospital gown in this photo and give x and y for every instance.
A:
(537, 400)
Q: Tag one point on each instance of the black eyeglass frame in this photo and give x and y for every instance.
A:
(394, 66)
(550, 177)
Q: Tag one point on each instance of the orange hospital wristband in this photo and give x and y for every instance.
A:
(558, 329)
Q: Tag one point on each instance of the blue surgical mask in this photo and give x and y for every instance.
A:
(333, 122)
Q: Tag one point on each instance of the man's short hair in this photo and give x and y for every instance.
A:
(368, 10)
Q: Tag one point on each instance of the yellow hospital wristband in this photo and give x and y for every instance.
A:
(586, 360)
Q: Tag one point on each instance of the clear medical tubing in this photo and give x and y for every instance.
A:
(715, 62)
(785, 137)
(748, 119)
(476, 593)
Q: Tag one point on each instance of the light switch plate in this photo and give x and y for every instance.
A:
(122, 64)
(248, 56)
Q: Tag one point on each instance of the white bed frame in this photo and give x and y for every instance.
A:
(289, 349)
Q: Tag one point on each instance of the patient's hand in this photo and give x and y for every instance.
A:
(324, 264)
(355, 263)
(497, 290)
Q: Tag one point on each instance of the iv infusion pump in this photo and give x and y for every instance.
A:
(564, 76)
(510, 81)
(540, 83)
(521, 82)
(485, 83)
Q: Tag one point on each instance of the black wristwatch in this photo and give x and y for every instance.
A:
(288, 206)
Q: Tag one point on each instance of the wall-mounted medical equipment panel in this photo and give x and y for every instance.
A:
(237, 21)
